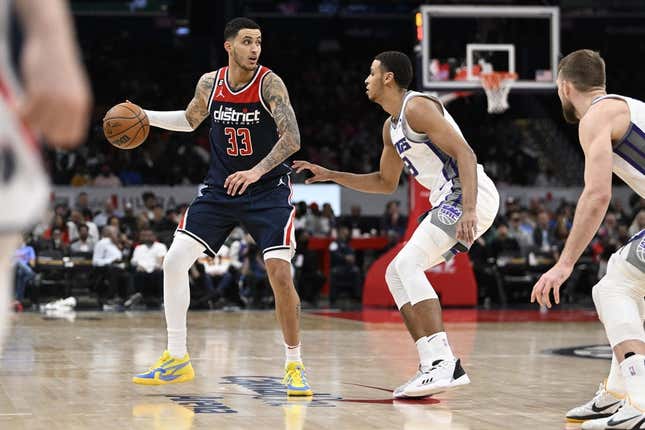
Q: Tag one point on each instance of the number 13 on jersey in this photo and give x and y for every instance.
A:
(242, 147)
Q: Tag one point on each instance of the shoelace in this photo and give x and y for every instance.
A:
(294, 375)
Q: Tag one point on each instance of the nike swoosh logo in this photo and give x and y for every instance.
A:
(611, 421)
(604, 408)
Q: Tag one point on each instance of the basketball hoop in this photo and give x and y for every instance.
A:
(497, 86)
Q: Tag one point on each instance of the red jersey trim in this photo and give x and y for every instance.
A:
(27, 134)
(245, 87)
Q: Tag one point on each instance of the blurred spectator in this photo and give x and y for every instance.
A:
(81, 178)
(164, 224)
(393, 221)
(147, 263)
(106, 178)
(515, 230)
(504, 245)
(75, 221)
(354, 221)
(94, 230)
(82, 202)
(638, 224)
(58, 223)
(102, 217)
(312, 220)
(300, 222)
(113, 283)
(526, 223)
(129, 220)
(345, 276)
(560, 235)
(225, 271)
(542, 235)
(255, 287)
(327, 221)
(115, 222)
(608, 230)
(83, 244)
(309, 279)
(54, 246)
(24, 262)
(149, 202)
(106, 251)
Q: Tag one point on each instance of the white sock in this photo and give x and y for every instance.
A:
(176, 290)
(438, 348)
(292, 353)
(425, 352)
(615, 381)
(633, 369)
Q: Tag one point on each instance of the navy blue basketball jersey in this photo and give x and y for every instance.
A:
(242, 129)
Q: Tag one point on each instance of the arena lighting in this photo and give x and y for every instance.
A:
(419, 23)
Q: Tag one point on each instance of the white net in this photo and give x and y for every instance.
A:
(497, 86)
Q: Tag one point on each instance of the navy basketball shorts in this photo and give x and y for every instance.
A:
(264, 210)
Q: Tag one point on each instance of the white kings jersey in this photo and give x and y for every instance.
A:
(430, 166)
(629, 151)
(24, 189)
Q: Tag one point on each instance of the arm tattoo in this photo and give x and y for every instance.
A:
(275, 93)
(197, 109)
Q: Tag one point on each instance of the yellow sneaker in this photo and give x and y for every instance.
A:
(295, 378)
(167, 370)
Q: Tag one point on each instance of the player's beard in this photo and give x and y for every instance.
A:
(569, 112)
(240, 62)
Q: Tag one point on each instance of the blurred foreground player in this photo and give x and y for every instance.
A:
(53, 100)
(247, 183)
(421, 135)
(612, 136)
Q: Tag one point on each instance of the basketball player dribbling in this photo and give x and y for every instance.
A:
(52, 100)
(612, 136)
(421, 135)
(247, 183)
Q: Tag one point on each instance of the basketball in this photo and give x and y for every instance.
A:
(126, 126)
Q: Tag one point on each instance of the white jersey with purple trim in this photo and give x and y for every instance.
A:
(24, 189)
(629, 151)
(430, 166)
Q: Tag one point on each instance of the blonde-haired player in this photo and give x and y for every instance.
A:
(54, 101)
(612, 136)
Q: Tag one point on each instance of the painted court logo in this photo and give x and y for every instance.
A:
(448, 214)
(270, 391)
(602, 352)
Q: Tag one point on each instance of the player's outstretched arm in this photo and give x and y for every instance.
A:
(425, 116)
(385, 181)
(275, 93)
(189, 119)
(595, 139)
(57, 98)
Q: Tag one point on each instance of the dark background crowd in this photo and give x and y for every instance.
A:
(153, 53)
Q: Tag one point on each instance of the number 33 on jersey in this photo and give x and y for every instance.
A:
(242, 129)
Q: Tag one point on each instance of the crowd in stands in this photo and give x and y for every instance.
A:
(121, 267)
(527, 240)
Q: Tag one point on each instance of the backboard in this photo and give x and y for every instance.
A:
(456, 43)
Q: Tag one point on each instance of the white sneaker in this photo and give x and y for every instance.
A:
(398, 392)
(604, 404)
(442, 376)
(627, 418)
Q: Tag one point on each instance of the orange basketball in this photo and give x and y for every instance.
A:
(126, 126)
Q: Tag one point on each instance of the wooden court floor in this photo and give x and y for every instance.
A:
(74, 373)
